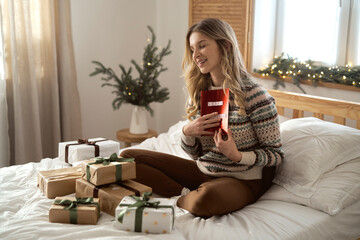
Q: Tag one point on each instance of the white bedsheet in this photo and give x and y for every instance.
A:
(24, 212)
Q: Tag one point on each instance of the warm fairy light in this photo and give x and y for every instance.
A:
(291, 67)
(129, 93)
(149, 64)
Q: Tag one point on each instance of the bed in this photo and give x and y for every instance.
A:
(315, 195)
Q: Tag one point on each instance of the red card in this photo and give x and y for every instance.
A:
(216, 101)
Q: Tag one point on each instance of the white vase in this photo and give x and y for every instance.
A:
(138, 124)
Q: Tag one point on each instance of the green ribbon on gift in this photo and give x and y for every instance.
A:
(106, 161)
(140, 204)
(72, 206)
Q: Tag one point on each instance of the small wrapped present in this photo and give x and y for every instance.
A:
(110, 195)
(149, 215)
(75, 210)
(100, 171)
(58, 182)
(83, 149)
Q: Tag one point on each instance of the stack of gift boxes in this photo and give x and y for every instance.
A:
(103, 183)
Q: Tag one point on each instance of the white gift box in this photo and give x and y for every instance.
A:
(158, 219)
(78, 151)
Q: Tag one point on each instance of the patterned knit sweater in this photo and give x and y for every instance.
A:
(256, 135)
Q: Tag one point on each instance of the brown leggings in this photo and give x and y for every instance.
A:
(167, 175)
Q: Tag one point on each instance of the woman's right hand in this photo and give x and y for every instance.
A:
(198, 126)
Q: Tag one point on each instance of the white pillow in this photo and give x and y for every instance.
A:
(283, 119)
(335, 190)
(313, 147)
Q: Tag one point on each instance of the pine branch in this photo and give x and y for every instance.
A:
(282, 67)
(144, 89)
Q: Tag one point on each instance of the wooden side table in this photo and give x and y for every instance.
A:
(128, 138)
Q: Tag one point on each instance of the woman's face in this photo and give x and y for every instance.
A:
(206, 54)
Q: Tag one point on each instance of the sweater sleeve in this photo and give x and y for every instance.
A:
(191, 145)
(265, 122)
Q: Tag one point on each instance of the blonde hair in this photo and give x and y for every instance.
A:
(232, 64)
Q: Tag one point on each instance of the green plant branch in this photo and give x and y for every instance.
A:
(144, 89)
(286, 66)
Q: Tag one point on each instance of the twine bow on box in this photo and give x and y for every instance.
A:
(107, 161)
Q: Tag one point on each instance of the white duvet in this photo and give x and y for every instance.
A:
(24, 212)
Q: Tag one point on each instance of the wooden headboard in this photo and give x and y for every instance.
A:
(318, 106)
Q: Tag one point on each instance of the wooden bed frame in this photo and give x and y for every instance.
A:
(319, 106)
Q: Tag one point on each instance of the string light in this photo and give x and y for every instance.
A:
(282, 67)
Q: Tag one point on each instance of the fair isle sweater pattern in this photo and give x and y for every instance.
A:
(256, 135)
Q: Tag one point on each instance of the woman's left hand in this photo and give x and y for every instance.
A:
(227, 147)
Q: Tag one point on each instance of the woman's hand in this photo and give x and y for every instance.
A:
(227, 147)
(198, 126)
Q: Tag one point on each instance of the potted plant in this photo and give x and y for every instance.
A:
(139, 91)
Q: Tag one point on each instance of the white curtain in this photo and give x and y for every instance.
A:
(4, 137)
(4, 128)
(41, 90)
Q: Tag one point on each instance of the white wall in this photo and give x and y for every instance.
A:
(114, 32)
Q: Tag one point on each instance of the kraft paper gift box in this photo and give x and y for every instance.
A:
(100, 171)
(75, 210)
(83, 149)
(145, 214)
(110, 195)
(58, 182)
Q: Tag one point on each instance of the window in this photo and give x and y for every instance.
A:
(325, 31)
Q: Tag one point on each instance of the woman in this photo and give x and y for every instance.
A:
(228, 171)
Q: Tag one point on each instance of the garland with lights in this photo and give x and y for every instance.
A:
(289, 67)
(143, 90)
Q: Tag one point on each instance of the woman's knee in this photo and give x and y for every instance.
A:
(128, 153)
(217, 197)
(198, 202)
